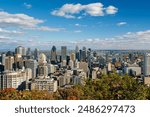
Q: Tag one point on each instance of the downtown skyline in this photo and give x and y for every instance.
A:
(98, 24)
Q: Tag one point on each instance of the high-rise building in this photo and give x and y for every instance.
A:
(77, 55)
(53, 55)
(28, 51)
(9, 63)
(21, 50)
(63, 53)
(51, 68)
(36, 54)
(84, 54)
(147, 64)
(3, 58)
(32, 64)
(72, 56)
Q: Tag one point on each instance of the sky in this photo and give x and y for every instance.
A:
(96, 24)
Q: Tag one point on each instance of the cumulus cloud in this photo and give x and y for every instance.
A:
(20, 20)
(93, 9)
(111, 10)
(121, 23)
(23, 21)
(28, 6)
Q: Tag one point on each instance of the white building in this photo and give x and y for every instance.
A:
(15, 79)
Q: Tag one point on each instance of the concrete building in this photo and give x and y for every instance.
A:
(46, 84)
(9, 63)
(133, 70)
(21, 50)
(32, 64)
(51, 68)
(42, 70)
(84, 67)
(15, 79)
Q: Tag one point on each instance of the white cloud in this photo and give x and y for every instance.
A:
(20, 20)
(10, 32)
(23, 21)
(28, 6)
(130, 40)
(77, 31)
(121, 23)
(77, 24)
(111, 10)
(93, 9)
(45, 28)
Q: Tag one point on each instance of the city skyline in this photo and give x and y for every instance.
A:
(98, 24)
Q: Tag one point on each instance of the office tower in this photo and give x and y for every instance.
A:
(89, 58)
(21, 50)
(84, 67)
(84, 54)
(77, 53)
(32, 64)
(63, 53)
(71, 64)
(43, 71)
(147, 64)
(51, 68)
(53, 55)
(72, 56)
(80, 55)
(36, 54)
(9, 63)
(3, 58)
(28, 51)
(42, 59)
(18, 57)
(18, 61)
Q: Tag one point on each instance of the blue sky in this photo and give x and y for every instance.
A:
(99, 24)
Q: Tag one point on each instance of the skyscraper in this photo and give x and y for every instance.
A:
(83, 54)
(77, 52)
(36, 54)
(53, 55)
(32, 64)
(63, 53)
(21, 50)
(147, 64)
(3, 58)
(9, 62)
